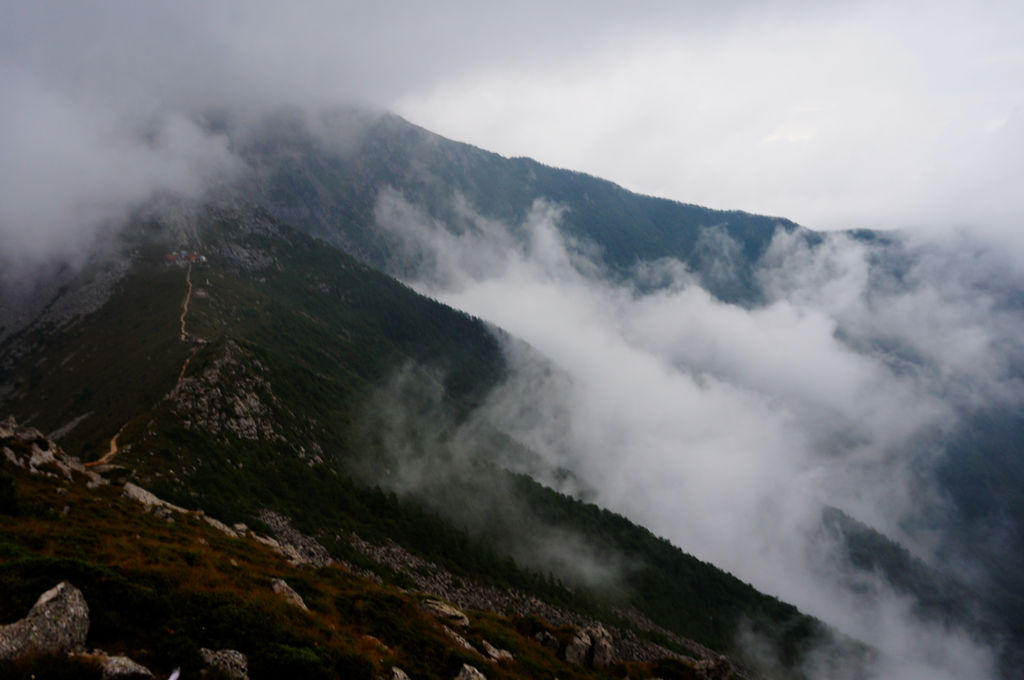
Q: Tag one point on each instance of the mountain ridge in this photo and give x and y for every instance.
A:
(270, 397)
(329, 189)
(241, 418)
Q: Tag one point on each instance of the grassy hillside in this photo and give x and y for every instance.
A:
(158, 590)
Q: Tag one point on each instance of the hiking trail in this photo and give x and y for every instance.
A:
(112, 449)
(184, 306)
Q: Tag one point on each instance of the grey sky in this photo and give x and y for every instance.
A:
(877, 114)
(865, 114)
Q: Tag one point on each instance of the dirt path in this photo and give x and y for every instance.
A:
(184, 333)
(184, 306)
(181, 373)
(112, 450)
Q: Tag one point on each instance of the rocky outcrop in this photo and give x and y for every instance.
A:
(147, 498)
(229, 395)
(122, 668)
(602, 652)
(292, 543)
(444, 612)
(281, 587)
(57, 624)
(231, 663)
(577, 649)
(398, 674)
(459, 640)
(165, 510)
(495, 654)
(592, 646)
(31, 450)
(470, 673)
(248, 259)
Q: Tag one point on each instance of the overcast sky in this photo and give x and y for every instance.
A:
(877, 114)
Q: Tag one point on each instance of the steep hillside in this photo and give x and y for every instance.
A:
(165, 586)
(240, 367)
(328, 182)
(262, 374)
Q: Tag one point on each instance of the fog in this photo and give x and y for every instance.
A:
(414, 446)
(69, 172)
(728, 429)
(860, 115)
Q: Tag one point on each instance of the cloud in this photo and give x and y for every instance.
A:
(191, 54)
(413, 446)
(70, 169)
(728, 429)
(880, 115)
(104, 103)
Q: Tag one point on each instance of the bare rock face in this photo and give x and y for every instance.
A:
(281, 587)
(602, 651)
(123, 668)
(31, 450)
(591, 647)
(578, 648)
(445, 612)
(495, 654)
(57, 624)
(459, 640)
(230, 662)
(147, 498)
(470, 673)
(231, 395)
(292, 543)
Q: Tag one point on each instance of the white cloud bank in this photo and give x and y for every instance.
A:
(728, 429)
